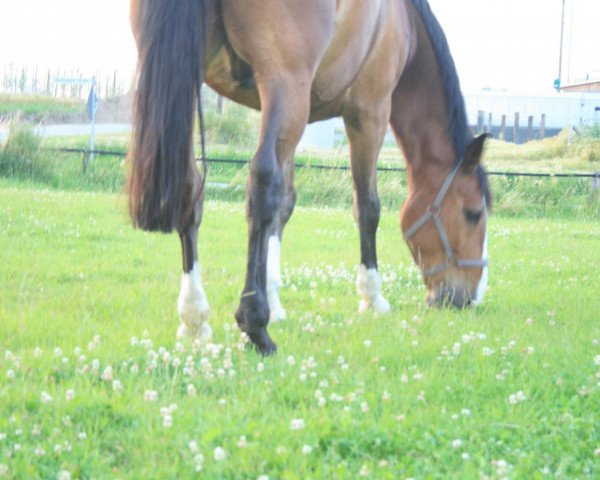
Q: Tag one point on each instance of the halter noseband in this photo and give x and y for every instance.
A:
(433, 212)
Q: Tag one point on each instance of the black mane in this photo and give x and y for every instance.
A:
(459, 126)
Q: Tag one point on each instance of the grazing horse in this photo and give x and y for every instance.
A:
(372, 62)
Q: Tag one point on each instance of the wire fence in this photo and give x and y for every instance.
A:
(595, 176)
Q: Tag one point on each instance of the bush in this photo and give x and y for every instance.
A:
(21, 156)
(237, 125)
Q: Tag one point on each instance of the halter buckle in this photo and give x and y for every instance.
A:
(433, 209)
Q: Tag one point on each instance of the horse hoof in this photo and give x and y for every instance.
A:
(379, 305)
(263, 343)
(202, 333)
(277, 315)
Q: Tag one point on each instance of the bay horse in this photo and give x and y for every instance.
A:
(373, 63)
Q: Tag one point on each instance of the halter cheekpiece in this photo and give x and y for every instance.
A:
(433, 213)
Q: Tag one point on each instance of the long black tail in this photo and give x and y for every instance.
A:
(171, 38)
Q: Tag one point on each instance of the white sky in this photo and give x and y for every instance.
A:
(499, 44)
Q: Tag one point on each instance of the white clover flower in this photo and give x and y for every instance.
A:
(117, 386)
(193, 446)
(69, 394)
(307, 449)
(150, 396)
(64, 475)
(199, 461)
(45, 397)
(57, 352)
(364, 407)
(297, 424)
(167, 420)
(37, 352)
(457, 443)
(10, 374)
(465, 456)
(39, 452)
(386, 396)
(219, 454)
(367, 343)
(242, 442)
(364, 471)
(81, 436)
(517, 397)
(191, 390)
(597, 360)
(291, 361)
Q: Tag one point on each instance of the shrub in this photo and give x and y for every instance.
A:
(21, 156)
(237, 125)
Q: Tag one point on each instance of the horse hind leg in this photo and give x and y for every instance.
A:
(285, 113)
(274, 281)
(192, 303)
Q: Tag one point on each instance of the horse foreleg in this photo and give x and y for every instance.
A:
(366, 130)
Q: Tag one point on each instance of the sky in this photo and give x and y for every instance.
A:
(497, 44)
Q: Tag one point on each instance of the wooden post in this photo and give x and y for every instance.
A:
(530, 128)
(219, 104)
(502, 134)
(489, 125)
(480, 115)
(84, 160)
(516, 128)
(543, 127)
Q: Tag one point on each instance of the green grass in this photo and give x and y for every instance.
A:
(37, 107)
(74, 276)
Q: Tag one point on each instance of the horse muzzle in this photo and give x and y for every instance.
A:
(450, 296)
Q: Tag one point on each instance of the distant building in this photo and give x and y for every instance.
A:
(583, 86)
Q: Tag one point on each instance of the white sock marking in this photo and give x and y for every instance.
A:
(274, 282)
(368, 284)
(483, 281)
(193, 307)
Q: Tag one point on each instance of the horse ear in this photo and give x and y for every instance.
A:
(473, 153)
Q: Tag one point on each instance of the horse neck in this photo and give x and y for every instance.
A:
(421, 117)
(420, 121)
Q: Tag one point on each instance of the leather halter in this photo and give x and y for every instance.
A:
(433, 213)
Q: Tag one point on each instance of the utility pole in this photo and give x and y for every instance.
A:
(557, 82)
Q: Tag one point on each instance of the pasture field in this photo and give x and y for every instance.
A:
(94, 385)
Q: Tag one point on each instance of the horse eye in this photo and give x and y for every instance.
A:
(473, 216)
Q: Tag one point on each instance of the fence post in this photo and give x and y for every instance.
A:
(543, 127)
(516, 128)
(480, 115)
(502, 134)
(529, 128)
(84, 160)
(489, 125)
